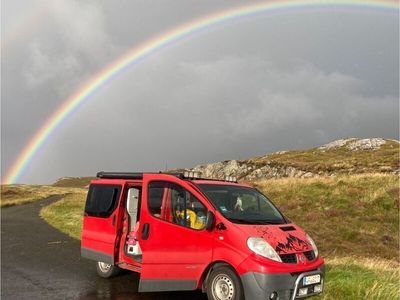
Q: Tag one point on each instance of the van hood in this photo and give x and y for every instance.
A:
(284, 238)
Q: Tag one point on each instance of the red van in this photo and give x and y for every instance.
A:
(185, 233)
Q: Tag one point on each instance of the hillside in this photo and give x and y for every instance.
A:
(80, 182)
(18, 194)
(345, 156)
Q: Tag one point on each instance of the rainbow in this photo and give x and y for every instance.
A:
(139, 53)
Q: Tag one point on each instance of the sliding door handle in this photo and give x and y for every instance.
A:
(145, 231)
(114, 219)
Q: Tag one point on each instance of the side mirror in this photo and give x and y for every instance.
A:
(210, 221)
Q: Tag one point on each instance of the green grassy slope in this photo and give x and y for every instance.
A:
(355, 214)
(80, 182)
(338, 160)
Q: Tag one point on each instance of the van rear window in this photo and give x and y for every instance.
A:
(102, 200)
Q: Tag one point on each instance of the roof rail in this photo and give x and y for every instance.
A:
(139, 175)
(119, 175)
(132, 175)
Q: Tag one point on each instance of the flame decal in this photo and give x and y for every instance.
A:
(293, 244)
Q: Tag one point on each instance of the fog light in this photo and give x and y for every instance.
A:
(273, 296)
(318, 288)
(303, 291)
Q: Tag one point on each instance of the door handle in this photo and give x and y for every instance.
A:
(114, 220)
(145, 231)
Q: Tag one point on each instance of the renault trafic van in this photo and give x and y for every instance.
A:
(181, 232)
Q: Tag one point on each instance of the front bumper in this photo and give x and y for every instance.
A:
(285, 285)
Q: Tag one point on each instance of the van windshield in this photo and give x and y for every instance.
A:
(242, 205)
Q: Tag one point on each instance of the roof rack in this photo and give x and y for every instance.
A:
(139, 175)
(119, 175)
(132, 175)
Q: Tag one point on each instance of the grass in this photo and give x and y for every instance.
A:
(66, 214)
(357, 214)
(361, 278)
(21, 194)
(354, 220)
(73, 182)
(339, 160)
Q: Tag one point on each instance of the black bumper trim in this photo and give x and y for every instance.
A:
(261, 285)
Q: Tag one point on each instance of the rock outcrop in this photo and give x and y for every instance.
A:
(366, 144)
(354, 144)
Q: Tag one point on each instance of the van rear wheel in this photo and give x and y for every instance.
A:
(224, 284)
(106, 270)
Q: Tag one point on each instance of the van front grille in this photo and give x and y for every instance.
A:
(310, 255)
(288, 258)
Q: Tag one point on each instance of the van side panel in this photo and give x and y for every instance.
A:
(98, 238)
(101, 221)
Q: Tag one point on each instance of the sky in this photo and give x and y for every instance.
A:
(291, 80)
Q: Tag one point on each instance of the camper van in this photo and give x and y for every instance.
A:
(182, 232)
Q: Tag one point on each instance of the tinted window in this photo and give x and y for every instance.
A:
(102, 200)
(179, 207)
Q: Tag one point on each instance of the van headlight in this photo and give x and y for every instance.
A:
(314, 247)
(261, 247)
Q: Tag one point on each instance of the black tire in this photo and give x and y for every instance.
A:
(106, 270)
(224, 284)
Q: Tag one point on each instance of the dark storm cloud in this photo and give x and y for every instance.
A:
(246, 88)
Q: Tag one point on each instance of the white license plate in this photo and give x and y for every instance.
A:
(312, 279)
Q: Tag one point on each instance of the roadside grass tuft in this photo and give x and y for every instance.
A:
(66, 215)
(361, 278)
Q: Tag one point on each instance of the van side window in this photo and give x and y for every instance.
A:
(102, 200)
(176, 205)
(155, 198)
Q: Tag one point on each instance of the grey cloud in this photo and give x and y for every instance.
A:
(234, 107)
(44, 67)
(77, 44)
(82, 28)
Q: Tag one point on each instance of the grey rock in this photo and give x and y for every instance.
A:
(366, 144)
(335, 144)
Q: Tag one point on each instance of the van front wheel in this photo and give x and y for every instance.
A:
(106, 270)
(224, 284)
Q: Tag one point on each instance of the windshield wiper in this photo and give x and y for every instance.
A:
(241, 221)
(258, 222)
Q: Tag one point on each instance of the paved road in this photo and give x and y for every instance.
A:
(39, 262)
